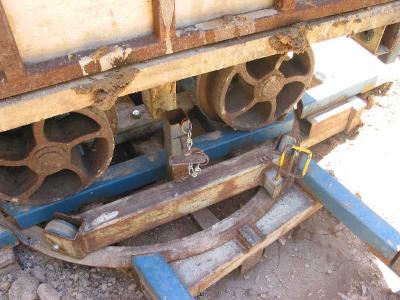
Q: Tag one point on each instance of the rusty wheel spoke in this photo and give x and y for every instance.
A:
(246, 77)
(280, 60)
(297, 78)
(86, 138)
(39, 133)
(259, 112)
(12, 163)
(243, 110)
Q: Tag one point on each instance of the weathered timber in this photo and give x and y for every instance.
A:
(205, 218)
(198, 243)
(343, 118)
(285, 5)
(144, 210)
(201, 271)
(25, 109)
(160, 99)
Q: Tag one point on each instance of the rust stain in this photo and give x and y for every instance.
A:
(293, 39)
(108, 89)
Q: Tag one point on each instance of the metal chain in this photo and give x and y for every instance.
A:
(194, 170)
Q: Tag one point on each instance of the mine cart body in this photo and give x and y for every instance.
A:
(79, 79)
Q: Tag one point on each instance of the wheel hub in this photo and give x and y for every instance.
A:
(270, 87)
(254, 94)
(49, 159)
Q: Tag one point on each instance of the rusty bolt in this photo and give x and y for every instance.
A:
(136, 114)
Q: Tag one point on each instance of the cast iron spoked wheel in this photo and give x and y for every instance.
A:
(252, 95)
(57, 157)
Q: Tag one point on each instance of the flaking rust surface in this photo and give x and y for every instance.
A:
(293, 39)
(107, 90)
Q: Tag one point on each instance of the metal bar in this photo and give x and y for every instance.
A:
(143, 170)
(159, 279)
(63, 69)
(379, 235)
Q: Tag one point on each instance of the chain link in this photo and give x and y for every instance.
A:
(193, 169)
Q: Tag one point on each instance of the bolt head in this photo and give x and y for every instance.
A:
(136, 114)
(55, 247)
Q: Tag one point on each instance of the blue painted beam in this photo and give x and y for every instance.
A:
(7, 238)
(158, 278)
(352, 212)
(143, 170)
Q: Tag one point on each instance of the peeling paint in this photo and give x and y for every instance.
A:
(107, 62)
(83, 62)
(105, 217)
(105, 58)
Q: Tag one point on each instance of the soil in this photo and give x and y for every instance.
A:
(320, 259)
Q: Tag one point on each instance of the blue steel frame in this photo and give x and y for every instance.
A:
(7, 239)
(159, 278)
(352, 212)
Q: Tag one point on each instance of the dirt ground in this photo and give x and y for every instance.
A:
(321, 259)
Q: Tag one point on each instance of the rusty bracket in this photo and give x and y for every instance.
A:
(179, 148)
(136, 213)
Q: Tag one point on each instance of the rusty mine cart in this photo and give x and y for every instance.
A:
(83, 84)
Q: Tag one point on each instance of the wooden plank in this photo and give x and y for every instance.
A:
(158, 278)
(285, 5)
(195, 244)
(251, 261)
(201, 271)
(25, 109)
(205, 218)
(11, 64)
(251, 236)
(45, 29)
(125, 218)
(344, 117)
